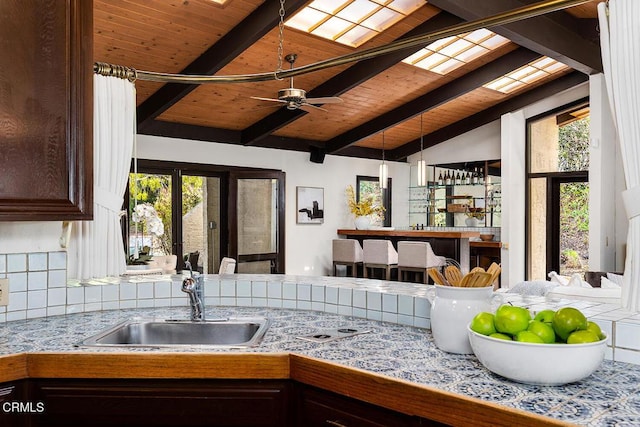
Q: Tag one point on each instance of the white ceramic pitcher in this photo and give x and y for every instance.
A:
(452, 309)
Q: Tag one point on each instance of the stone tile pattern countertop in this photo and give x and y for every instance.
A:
(609, 397)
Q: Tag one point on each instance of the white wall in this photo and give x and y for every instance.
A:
(482, 143)
(513, 179)
(307, 246)
(25, 237)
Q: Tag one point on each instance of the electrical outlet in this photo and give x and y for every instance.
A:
(4, 291)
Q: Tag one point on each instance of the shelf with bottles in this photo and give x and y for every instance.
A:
(472, 175)
(476, 185)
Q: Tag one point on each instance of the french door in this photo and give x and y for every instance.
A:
(256, 219)
(210, 212)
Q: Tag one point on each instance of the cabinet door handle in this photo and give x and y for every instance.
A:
(335, 423)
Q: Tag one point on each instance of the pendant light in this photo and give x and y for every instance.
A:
(384, 171)
(422, 165)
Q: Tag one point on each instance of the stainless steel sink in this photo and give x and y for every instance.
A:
(139, 332)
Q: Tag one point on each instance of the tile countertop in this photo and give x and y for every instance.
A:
(611, 396)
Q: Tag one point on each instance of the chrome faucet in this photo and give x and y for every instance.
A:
(194, 286)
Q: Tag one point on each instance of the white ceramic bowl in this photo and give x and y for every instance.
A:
(539, 364)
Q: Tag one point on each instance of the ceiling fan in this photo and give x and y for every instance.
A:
(296, 99)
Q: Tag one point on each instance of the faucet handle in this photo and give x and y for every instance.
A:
(188, 265)
(188, 285)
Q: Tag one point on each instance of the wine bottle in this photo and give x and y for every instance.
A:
(481, 177)
(467, 179)
(447, 179)
(458, 179)
(440, 181)
(474, 178)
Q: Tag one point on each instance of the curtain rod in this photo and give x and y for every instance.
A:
(503, 18)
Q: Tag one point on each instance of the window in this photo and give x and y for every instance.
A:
(526, 75)
(558, 193)
(447, 54)
(369, 185)
(351, 22)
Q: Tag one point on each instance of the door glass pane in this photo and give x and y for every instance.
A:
(560, 147)
(200, 219)
(257, 215)
(574, 228)
(537, 245)
(150, 199)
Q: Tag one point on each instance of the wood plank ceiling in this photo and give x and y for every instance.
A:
(382, 94)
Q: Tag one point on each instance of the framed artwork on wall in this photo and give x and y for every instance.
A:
(310, 205)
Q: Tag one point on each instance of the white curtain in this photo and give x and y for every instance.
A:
(620, 42)
(95, 248)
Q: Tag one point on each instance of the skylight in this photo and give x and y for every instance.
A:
(351, 22)
(526, 75)
(445, 55)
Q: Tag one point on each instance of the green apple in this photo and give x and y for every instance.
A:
(501, 336)
(582, 336)
(528, 336)
(543, 330)
(545, 316)
(482, 323)
(511, 319)
(568, 320)
(595, 328)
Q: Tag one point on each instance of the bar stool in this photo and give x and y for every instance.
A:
(418, 257)
(379, 254)
(347, 252)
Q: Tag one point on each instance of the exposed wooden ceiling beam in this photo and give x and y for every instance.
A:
(250, 30)
(346, 80)
(194, 132)
(433, 99)
(489, 115)
(223, 136)
(557, 35)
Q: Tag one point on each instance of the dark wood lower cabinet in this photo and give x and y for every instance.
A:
(185, 403)
(321, 408)
(15, 406)
(233, 403)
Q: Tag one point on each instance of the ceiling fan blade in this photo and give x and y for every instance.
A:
(326, 100)
(268, 99)
(310, 107)
(263, 107)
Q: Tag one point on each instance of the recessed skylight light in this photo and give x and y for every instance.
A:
(445, 55)
(527, 74)
(351, 22)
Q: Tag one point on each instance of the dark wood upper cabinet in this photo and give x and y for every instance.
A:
(46, 110)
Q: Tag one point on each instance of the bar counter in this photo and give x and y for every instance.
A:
(451, 244)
